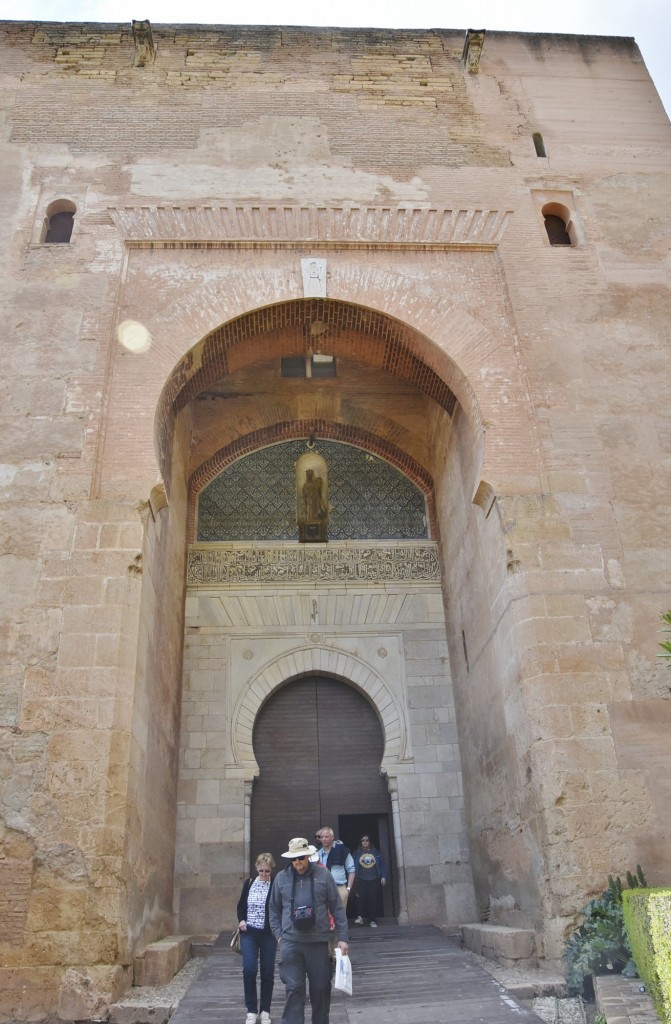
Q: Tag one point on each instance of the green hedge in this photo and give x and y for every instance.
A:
(647, 922)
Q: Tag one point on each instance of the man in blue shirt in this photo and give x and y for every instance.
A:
(336, 857)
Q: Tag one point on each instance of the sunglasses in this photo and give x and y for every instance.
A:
(301, 858)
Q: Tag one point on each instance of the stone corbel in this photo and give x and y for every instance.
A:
(485, 496)
(145, 52)
(158, 499)
(473, 46)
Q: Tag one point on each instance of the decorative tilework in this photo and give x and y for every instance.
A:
(255, 498)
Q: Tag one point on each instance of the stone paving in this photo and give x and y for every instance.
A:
(153, 1004)
(402, 975)
(621, 1001)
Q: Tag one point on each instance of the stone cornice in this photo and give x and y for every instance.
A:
(356, 563)
(320, 226)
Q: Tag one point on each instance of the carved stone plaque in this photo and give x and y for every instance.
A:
(314, 278)
(220, 564)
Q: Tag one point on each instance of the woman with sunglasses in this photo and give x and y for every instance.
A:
(257, 942)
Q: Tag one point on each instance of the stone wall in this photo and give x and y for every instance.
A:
(385, 638)
(484, 362)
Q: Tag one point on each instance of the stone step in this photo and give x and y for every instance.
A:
(161, 960)
(512, 947)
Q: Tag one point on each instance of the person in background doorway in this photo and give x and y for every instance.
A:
(335, 856)
(302, 899)
(370, 877)
(257, 941)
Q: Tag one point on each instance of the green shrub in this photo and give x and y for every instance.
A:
(666, 644)
(600, 942)
(647, 920)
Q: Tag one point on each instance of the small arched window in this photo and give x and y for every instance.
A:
(59, 221)
(539, 145)
(556, 230)
(558, 224)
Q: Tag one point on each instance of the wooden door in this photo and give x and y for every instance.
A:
(319, 745)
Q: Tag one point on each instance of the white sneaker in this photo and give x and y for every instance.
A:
(358, 920)
(250, 1018)
(265, 1017)
(373, 924)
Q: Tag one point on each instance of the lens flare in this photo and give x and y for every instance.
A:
(134, 336)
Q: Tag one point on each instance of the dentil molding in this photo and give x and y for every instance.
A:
(278, 225)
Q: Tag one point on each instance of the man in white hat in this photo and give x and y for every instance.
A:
(302, 897)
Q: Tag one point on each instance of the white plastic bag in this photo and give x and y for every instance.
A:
(342, 981)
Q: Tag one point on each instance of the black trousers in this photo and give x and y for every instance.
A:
(370, 898)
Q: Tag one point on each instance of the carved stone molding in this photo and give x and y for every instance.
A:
(472, 52)
(349, 226)
(145, 51)
(213, 565)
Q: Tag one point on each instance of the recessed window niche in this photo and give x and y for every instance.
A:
(59, 222)
(558, 215)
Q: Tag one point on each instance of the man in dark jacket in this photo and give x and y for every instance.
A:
(302, 897)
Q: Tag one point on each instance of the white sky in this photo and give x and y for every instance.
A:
(648, 21)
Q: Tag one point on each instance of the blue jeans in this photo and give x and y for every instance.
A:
(299, 960)
(258, 945)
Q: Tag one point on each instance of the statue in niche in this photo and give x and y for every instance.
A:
(312, 506)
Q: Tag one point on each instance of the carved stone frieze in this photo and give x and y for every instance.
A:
(325, 226)
(212, 565)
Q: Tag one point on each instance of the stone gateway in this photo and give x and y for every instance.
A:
(437, 264)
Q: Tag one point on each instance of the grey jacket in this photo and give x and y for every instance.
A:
(327, 898)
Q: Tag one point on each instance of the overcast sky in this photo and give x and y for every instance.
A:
(648, 21)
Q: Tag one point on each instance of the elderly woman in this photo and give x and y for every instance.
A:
(257, 942)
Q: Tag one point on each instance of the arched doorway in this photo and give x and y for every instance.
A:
(252, 602)
(319, 744)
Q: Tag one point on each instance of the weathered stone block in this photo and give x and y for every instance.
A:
(508, 946)
(87, 992)
(161, 960)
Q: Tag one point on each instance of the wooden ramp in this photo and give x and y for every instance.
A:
(402, 975)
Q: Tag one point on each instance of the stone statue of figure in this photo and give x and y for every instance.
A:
(313, 498)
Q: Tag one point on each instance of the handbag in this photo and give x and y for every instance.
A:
(342, 980)
(235, 941)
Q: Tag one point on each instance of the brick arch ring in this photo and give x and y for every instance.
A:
(400, 348)
(325, 661)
